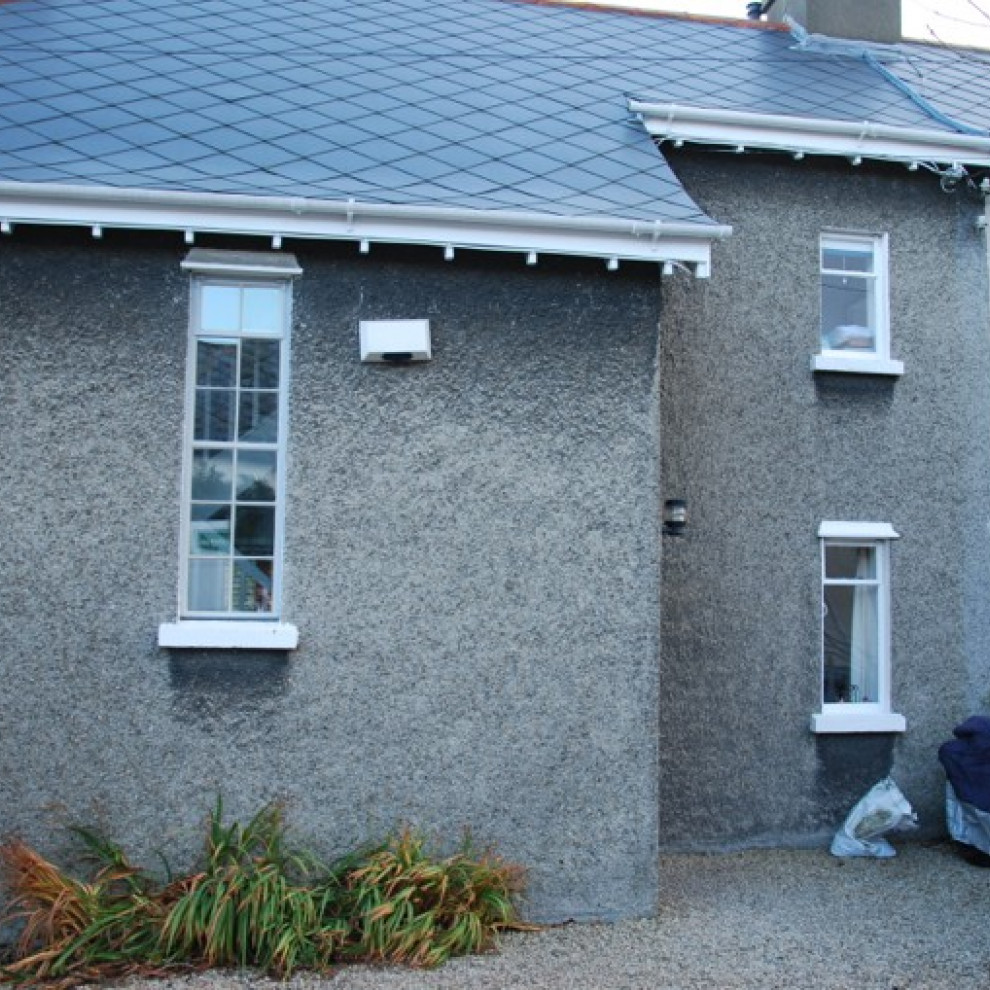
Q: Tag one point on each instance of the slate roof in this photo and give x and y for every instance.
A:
(478, 104)
(955, 80)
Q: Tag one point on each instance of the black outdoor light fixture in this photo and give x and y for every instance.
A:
(674, 516)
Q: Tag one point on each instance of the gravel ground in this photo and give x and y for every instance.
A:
(758, 920)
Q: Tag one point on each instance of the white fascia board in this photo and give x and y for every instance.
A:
(492, 230)
(842, 530)
(810, 135)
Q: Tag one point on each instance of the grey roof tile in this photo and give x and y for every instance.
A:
(463, 157)
(266, 129)
(141, 133)
(956, 81)
(422, 142)
(265, 156)
(228, 114)
(467, 103)
(54, 129)
(186, 123)
(35, 88)
(25, 138)
(74, 103)
(227, 139)
(99, 144)
(188, 99)
(135, 159)
(20, 113)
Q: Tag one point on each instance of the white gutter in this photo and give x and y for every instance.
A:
(810, 135)
(278, 217)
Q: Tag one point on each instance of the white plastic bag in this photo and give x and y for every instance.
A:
(966, 823)
(883, 809)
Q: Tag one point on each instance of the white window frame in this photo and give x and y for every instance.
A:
(878, 360)
(237, 630)
(878, 715)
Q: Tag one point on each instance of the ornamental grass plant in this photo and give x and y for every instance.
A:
(406, 906)
(254, 901)
(75, 931)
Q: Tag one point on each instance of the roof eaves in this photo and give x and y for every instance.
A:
(877, 56)
(609, 238)
(855, 140)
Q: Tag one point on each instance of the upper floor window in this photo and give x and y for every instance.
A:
(855, 311)
(233, 513)
(856, 694)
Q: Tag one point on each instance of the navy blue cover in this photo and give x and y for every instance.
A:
(967, 761)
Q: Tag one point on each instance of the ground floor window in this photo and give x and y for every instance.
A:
(855, 629)
(853, 624)
(233, 502)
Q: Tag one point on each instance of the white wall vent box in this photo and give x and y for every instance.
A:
(395, 341)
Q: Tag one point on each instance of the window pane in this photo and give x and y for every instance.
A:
(252, 585)
(209, 529)
(208, 588)
(216, 363)
(221, 305)
(258, 422)
(257, 475)
(254, 531)
(848, 259)
(232, 511)
(851, 562)
(851, 644)
(262, 309)
(259, 364)
(213, 475)
(214, 419)
(848, 313)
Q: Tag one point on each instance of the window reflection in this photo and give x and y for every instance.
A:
(232, 514)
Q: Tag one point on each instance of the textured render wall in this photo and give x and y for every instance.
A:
(763, 450)
(471, 561)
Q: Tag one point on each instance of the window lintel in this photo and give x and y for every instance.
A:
(842, 530)
(211, 261)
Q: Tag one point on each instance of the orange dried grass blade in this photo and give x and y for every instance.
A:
(51, 905)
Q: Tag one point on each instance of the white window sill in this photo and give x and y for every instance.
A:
(857, 365)
(210, 634)
(853, 721)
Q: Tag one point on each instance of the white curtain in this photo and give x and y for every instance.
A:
(863, 647)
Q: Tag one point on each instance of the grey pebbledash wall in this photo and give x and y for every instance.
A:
(471, 560)
(764, 450)
(473, 557)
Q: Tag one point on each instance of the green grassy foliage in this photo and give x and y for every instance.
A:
(407, 906)
(254, 902)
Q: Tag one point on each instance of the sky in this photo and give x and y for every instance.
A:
(960, 22)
